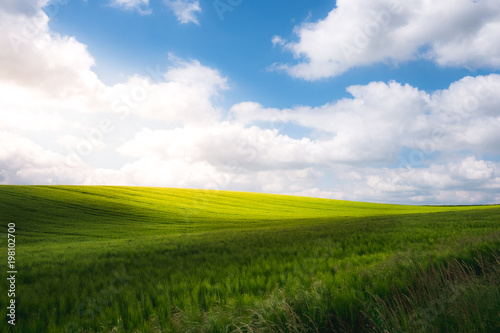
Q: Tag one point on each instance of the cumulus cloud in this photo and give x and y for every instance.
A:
(42, 60)
(184, 93)
(24, 162)
(359, 33)
(381, 118)
(186, 11)
(222, 144)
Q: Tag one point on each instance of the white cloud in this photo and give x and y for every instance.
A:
(360, 33)
(56, 65)
(185, 94)
(221, 144)
(277, 40)
(142, 6)
(466, 181)
(25, 162)
(185, 10)
(23, 120)
(380, 119)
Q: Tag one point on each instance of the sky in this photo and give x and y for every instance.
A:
(382, 101)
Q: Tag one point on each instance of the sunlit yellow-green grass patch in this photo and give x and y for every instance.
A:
(157, 259)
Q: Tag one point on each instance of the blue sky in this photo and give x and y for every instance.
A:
(384, 101)
(125, 42)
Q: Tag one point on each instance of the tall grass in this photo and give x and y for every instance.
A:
(99, 259)
(452, 297)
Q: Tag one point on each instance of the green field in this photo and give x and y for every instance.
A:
(131, 259)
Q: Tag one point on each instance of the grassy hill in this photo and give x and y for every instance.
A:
(160, 260)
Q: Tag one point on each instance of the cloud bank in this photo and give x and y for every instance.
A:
(387, 142)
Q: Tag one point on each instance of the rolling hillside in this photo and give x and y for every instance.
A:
(157, 259)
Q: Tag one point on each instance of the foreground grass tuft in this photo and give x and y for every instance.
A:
(453, 297)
